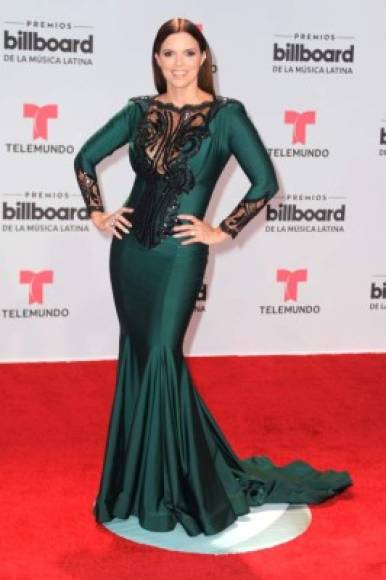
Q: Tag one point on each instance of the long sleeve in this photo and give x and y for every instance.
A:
(115, 133)
(245, 143)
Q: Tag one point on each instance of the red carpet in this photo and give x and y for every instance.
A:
(328, 410)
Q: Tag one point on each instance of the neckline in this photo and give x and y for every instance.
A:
(194, 106)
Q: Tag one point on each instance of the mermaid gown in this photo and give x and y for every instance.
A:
(166, 459)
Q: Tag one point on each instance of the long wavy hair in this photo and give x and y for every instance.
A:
(205, 75)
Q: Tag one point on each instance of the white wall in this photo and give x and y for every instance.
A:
(245, 311)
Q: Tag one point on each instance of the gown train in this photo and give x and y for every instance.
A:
(166, 459)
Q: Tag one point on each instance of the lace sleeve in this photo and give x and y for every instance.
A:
(246, 145)
(90, 191)
(115, 133)
(241, 215)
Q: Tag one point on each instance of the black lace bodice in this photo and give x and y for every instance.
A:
(163, 139)
(166, 138)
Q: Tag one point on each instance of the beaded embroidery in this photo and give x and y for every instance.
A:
(166, 138)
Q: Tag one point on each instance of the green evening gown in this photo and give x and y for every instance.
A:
(166, 459)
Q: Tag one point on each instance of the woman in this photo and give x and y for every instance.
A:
(166, 459)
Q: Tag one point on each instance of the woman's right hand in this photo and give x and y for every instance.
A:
(112, 222)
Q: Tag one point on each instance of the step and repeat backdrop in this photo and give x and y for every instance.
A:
(308, 275)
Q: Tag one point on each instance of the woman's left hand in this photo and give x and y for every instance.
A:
(199, 231)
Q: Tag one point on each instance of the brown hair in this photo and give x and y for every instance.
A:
(205, 75)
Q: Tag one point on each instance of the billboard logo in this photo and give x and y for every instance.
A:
(378, 294)
(309, 52)
(27, 210)
(378, 291)
(40, 116)
(36, 281)
(32, 41)
(290, 212)
(298, 52)
(46, 41)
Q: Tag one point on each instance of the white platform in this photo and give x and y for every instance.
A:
(264, 527)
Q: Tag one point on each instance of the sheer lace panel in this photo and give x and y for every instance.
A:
(244, 211)
(170, 132)
(165, 140)
(90, 191)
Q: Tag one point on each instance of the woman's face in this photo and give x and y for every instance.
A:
(180, 59)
